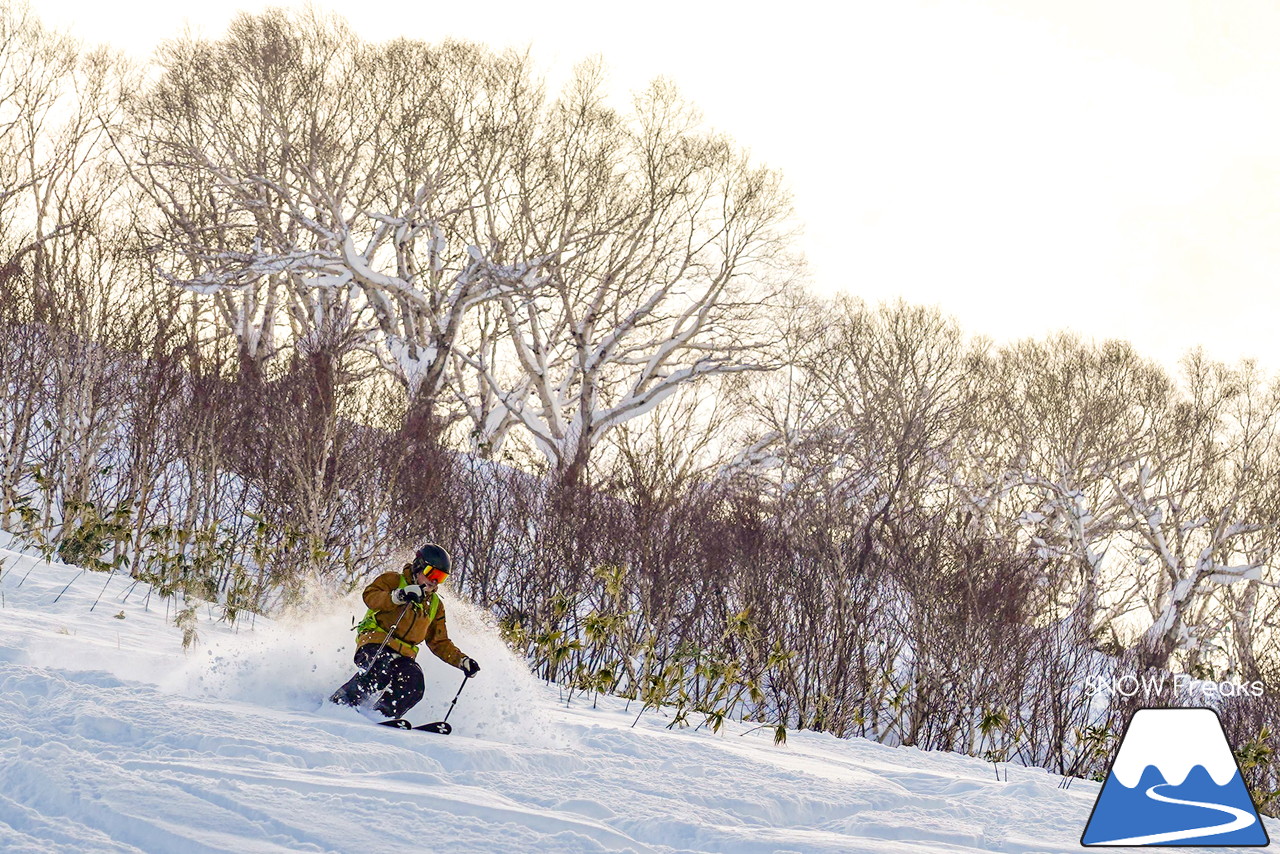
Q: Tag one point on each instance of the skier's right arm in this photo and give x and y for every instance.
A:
(378, 594)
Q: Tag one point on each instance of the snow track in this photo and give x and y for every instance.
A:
(113, 740)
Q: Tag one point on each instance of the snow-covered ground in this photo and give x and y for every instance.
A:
(112, 738)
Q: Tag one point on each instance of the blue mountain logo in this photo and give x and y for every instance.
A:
(1175, 782)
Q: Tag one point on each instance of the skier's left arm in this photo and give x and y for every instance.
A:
(438, 642)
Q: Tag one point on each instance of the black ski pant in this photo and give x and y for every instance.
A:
(399, 675)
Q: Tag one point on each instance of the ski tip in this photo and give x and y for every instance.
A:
(398, 723)
(439, 727)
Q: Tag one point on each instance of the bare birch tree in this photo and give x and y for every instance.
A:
(786, 453)
(1076, 415)
(63, 255)
(348, 186)
(1197, 518)
(659, 246)
(239, 143)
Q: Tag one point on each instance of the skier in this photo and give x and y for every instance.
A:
(404, 612)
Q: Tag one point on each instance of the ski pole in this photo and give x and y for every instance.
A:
(383, 645)
(374, 660)
(465, 679)
(442, 726)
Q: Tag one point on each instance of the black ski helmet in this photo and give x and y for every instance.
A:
(431, 555)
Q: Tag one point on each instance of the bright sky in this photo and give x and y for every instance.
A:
(1026, 165)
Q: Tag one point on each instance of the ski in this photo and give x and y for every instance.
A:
(439, 727)
(398, 723)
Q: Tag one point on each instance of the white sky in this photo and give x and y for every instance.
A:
(1110, 166)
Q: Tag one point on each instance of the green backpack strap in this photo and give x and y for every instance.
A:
(370, 621)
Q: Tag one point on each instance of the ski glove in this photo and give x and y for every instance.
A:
(412, 593)
(469, 666)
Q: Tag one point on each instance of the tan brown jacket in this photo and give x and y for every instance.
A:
(416, 627)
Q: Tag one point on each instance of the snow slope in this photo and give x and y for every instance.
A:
(114, 739)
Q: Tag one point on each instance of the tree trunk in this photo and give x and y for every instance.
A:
(1158, 643)
(423, 463)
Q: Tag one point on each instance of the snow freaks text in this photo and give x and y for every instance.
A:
(1155, 684)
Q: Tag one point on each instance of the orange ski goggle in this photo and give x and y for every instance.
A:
(434, 573)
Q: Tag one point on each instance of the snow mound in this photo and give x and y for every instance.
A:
(113, 739)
